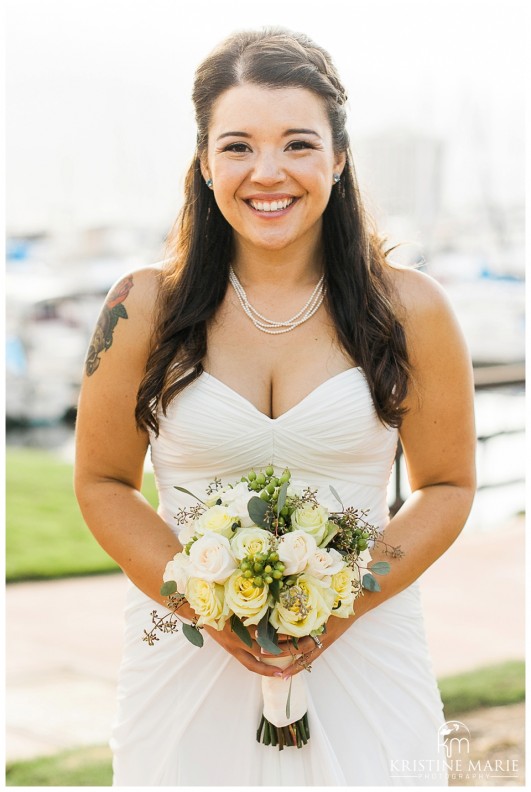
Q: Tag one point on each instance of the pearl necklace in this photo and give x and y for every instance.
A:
(268, 325)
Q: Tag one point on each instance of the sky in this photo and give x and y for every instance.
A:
(100, 123)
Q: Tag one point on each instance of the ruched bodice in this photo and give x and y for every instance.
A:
(372, 697)
(333, 436)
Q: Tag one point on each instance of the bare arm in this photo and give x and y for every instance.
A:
(110, 452)
(438, 438)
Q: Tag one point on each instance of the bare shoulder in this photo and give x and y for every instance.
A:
(126, 318)
(436, 345)
(419, 295)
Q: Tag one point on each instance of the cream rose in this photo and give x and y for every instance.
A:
(294, 550)
(178, 569)
(211, 558)
(311, 519)
(345, 585)
(217, 519)
(250, 541)
(208, 601)
(303, 608)
(324, 563)
(247, 601)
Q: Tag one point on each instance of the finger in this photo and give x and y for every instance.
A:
(257, 667)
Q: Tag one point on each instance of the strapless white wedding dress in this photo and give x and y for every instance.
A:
(188, 716)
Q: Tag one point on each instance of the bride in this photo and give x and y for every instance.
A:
(277, 334)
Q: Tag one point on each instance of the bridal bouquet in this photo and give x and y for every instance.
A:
(265, 553)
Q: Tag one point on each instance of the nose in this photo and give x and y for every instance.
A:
(267, 169)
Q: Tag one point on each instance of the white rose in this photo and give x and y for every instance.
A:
(217, 519)
(294, 550)
(312, 520)
(325, 562)
(237, 499)
(178, 569)
(211, 558)
(250, 542)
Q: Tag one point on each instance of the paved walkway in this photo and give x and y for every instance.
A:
(64, 638)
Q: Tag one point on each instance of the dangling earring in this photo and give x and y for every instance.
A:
(209, 183)
(337, 178)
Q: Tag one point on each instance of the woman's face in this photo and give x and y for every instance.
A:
(272, 162)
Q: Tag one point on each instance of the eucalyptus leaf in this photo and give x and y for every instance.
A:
(259, 512)
(282, 494)
(263, 637)
(381, 568)
(336, 495)
(370, 583)
(187, 492)
(168, 588)
(193, 634)
(238, 627)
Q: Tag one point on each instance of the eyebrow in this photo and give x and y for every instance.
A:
(284, 134)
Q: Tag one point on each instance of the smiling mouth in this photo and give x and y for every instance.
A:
(271, 206)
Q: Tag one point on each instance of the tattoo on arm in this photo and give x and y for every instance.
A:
(112, 310)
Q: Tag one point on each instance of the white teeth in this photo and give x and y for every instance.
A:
(273, 206)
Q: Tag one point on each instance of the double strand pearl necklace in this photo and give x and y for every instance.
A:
(268, 325)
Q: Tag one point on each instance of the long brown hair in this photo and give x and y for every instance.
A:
(194, 280)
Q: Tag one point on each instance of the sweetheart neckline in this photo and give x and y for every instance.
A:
(255, 409)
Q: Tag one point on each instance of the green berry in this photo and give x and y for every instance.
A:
(285, 476)
(270, 488)
(258, 567)
(268, 569)
(245, 565)
(284, 511)
(252, 475)
(247, 573)
(269, 471)
(258, 582)
(276, 574)
(265, 495)
(273, 557)
(268, 579)
(260, 478)
(280, 566)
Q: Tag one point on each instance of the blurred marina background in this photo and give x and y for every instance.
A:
(100, 131)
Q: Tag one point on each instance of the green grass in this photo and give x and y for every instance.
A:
(486, 687)
(46, 536)
(83, 767)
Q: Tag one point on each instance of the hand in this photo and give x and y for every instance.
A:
(310, 650)
(251, 657)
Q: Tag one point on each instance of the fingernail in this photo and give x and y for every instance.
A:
(278, 673)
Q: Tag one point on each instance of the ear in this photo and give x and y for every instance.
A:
(205, 172)
(340, 162)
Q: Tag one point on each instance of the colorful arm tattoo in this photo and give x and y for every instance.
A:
(112, 310)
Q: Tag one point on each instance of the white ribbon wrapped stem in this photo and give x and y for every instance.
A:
(275, 692)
